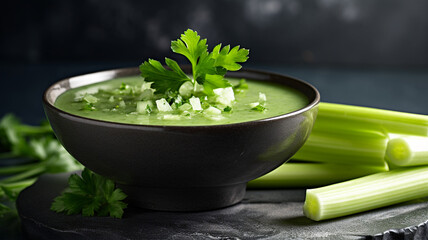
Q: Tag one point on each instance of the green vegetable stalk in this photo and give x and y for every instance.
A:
(303, 175)
(333, 115)
(344, 134)
(404, 151)
(344, 146)
(366, 193)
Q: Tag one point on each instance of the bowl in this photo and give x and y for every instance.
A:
(182, 168)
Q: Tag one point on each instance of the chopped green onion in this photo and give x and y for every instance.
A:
(366, 193)
(407, 151)
(293, 175)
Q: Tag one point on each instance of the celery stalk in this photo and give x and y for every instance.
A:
(303, 175)
(366, 193)
(407, 151)
(335, 115)
(346, 146)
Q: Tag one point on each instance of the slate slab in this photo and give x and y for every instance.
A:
(263, 214)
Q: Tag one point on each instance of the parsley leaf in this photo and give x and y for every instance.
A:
(190, 46)
(229, 59)
(90, 194)
(163, 79)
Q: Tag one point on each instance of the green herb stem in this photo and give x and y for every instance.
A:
(303, 175)
(366, 193)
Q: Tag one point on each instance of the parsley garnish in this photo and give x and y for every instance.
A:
(208, 69)
(90, 194)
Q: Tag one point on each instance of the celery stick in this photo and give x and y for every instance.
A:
(344, 146)
(331, 114)
(407, 151)
(292, 175)
(366, 193)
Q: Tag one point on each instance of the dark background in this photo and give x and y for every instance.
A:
(364, 52)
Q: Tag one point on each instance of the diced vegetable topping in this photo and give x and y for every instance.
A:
(144, 107)
(163, 105)
(212, 111)
(224, 96)
(196, 103)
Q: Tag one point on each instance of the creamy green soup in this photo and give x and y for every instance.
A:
(120, 100)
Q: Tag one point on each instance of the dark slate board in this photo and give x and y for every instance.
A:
(263, 214)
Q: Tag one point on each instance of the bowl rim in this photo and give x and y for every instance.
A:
(114, 72)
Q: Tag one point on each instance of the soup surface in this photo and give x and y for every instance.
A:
(117, 101)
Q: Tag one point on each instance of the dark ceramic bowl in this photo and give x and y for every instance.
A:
(182, 168)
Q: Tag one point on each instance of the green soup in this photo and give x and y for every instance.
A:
(116, 101)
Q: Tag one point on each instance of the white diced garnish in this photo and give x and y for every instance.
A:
(262, 97)
(111, 99)
(196, 103)
(90, 98)
(199, 88)
(147, 94)
(145, 86)
(186, 89)
(212, 111)
(178, 99)
(171, 117)
(214, 117)
(122, 104)
(225, 96)
(185, 107)
(254, 104)
(144, 107)
(163, 105)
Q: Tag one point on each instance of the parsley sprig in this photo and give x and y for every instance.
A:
(90, 194)
(208, 68)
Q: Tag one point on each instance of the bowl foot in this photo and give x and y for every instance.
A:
(184, 199)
